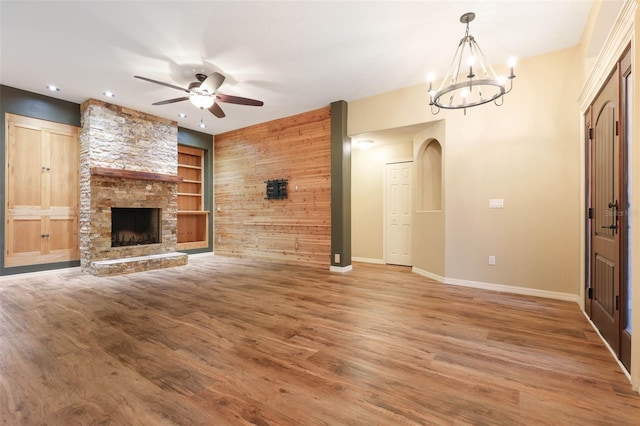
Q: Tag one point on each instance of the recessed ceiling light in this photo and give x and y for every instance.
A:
(182, 115)
(109, 94)
(53, 88)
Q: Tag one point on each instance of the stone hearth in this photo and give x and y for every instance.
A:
(144, 148)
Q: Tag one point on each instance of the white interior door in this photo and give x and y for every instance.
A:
(398, 213)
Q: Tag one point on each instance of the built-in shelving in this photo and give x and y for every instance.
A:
(193, 220)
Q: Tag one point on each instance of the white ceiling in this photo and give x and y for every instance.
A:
(293, 55)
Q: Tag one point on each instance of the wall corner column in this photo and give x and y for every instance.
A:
(340, 189)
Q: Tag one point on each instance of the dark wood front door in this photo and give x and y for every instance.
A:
(608, 294)
(605, 204)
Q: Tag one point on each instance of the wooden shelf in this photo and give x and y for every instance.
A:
(186, 166)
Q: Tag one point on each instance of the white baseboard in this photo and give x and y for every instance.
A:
(498, 287)
(513, 289)
(368, 260)
(340, 268)
(428, 274)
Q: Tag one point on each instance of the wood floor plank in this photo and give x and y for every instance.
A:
(225, 341)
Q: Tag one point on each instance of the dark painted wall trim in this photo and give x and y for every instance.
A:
(340, 186)
(203, 141)
(20, 102)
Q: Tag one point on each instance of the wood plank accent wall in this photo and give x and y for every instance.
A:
(294, 230)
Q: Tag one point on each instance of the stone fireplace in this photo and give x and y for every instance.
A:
(128, 172)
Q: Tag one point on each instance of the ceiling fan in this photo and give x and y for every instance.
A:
(203, 93)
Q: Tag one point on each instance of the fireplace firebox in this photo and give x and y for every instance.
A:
(135, 226)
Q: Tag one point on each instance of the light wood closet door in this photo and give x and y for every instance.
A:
(42, 192)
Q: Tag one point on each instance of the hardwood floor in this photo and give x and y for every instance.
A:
(227, 341)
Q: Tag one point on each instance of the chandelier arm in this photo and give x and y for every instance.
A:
(510, 85)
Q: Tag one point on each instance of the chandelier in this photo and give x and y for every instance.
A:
(460, 91)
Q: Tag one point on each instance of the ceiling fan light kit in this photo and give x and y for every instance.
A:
(201, 101)
(462, 88)
(204, 94)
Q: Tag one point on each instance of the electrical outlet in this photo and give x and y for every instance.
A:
(492, 260)
(336, 258)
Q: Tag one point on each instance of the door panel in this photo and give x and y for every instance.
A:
(61, 170)
(605, 181)
(24, 167)
(398, 215)
(23, 240)
(63, 235)
(603, 293)
(28, 232)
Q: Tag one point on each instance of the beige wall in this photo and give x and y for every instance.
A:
(428, 243)
(367, 188)
(527, 152)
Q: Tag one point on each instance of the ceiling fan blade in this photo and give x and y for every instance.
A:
(171, 101)
(161, 83)
(217, 111)
(238, 100)
(212, 82)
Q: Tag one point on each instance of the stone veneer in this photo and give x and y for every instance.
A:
(119, 138)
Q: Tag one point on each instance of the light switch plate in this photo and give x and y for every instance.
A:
(496, 203)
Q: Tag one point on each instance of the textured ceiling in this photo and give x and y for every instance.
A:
(293, 55)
